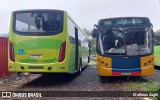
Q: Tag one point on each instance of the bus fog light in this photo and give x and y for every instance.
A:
(22, 67)
(49, 68)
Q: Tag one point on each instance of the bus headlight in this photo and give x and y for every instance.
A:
(145, 64)
(149, 61)
(102, 62)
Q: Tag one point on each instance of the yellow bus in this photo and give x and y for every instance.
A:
(46, 41)
(124, 46)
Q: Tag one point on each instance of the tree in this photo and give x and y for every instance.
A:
(92, 40)
(157, 37)
(88, 32)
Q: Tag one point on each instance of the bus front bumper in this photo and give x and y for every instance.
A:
(145, 71)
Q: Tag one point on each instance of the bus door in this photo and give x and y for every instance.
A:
(76, 49)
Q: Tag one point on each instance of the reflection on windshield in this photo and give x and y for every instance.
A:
(38, 21)
(119, 41)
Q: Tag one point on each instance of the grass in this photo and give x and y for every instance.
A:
(145, 86)
(93, 62)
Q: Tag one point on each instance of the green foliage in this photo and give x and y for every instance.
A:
(157, 37)
(92, 40)
(88, 32)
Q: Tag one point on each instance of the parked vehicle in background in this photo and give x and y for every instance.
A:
(46, 41)
(124, 46)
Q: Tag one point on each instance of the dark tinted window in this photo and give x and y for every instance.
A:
(39, 22)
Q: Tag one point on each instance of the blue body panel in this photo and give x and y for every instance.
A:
(131, 64)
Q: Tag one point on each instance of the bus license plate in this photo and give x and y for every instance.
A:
(36, 56)
(126, 74)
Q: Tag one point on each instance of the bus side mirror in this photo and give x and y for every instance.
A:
(94, 33)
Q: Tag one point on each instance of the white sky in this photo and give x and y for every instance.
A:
(85, 12)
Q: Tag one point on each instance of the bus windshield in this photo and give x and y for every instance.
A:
(38, 22)
(128, 41)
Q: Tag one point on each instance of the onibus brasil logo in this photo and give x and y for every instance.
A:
(20, 95)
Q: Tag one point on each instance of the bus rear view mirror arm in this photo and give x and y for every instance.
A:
(95, 31)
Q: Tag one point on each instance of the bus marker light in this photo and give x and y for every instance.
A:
(152, 59)
(98, 60)
(11, 51)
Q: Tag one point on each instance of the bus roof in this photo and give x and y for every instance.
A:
(38, 10)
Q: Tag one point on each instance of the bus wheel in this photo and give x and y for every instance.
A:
(88, 59)
(80, 68)
(102, 77)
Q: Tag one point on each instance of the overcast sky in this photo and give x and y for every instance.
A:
(85, 12)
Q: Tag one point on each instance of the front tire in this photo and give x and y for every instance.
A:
(88, 59)
(102, 77)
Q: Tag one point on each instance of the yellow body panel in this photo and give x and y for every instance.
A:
(147, 70)
(103, 69)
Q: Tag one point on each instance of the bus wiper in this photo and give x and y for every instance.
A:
(105, 30)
